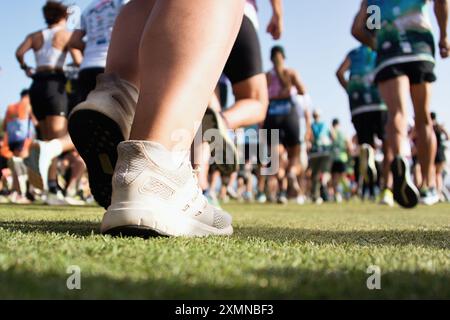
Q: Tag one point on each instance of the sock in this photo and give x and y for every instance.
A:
(166, 159)
(55, 148)
(53, 186)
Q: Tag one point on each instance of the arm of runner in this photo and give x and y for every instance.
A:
(76, 55)
(308, 133)
(298, 83)
(359, 30)
(441, 11)
(23, 48)
(444, 131)
(76, 40)
(340, 73)
(275, 27)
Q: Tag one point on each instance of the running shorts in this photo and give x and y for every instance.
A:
(245, 60)
(369, 125)
(418, 72)
(48, 95)
(287, 123)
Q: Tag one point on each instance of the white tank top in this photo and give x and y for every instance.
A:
(97, 21)
(49, 56)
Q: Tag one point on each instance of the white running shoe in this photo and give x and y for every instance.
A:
(387, 198)
(301, 200)
(367, 164)
(429, 197)
(74, 201)
(56, 199)
(149, 200)
(261, 197)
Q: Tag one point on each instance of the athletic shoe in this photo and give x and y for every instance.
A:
(429, 197)
(74, 201)
(39, 161)
(149, 200)
(301, 200)
(56, 199)
(248, 197)
(367, 165)
(261, 197)
(232, 193)
(282, 198)
(4, 199)
(318, 201)
(405, 192)
(98, 125)
(223, 147)
(16, 198)
(387, 198)
(225, 199)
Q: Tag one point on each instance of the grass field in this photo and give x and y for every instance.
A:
(276, 253)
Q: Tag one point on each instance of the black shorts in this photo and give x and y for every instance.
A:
(440, 156)
(338, 167)
(369, 125)
(3, 164)
(418, 72)
(48, 95)
(87, 80)
(288, 126)
(245, 60)
(16, 146)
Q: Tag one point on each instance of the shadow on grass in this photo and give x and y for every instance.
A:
(281, 283)
(426, 238)
(75, 228)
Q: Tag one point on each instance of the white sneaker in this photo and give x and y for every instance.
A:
(301, 200)
(149, 200)
(74, 201)
(387, 198)
(98, 125)
(56, 199)
(367, 164)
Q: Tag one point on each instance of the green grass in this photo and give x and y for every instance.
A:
(277, 252)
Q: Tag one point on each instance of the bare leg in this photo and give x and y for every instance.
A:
(56, 128)
(426, 139)
(439, 177)
(181, 73)
(251, 104)
(388, 158)
(77, 169)
(127, 35)
(395, 94)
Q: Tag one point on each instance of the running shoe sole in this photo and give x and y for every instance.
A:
(211, 121)
(34, 175)
(405, 192)
(133, 232)
(371, 164)
(96, 138)
(132, 222)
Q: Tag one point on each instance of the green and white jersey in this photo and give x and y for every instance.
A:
(363, 93)
(405, 34)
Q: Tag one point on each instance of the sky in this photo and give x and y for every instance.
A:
(316, 38)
